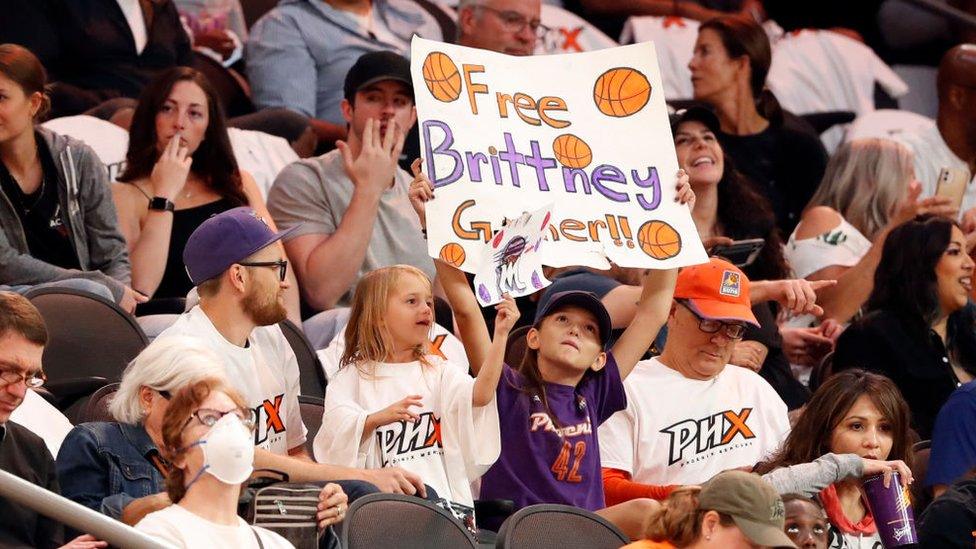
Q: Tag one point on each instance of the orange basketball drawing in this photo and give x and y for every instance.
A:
(442, 77)
(453, 254)
(621, 92)
(659, 240)
(571, 151)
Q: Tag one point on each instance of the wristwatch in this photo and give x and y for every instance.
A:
(161, 204)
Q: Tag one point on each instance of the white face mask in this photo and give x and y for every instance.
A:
(228, 451)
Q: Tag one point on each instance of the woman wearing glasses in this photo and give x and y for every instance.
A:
(116, 467)
(208, 440)
(180, 170)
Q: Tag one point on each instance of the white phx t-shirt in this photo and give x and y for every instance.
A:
(265, 372)
(677, 430)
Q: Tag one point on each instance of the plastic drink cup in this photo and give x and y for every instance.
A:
(892, 510)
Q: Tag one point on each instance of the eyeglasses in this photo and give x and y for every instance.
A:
(32, 380)
(281, 264)
(711, 326)
(515, 22)
(209, 417)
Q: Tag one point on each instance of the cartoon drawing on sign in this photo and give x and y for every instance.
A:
(511, 263)
(442, 77)
(659, 240)
(621, 92)
(506, 264)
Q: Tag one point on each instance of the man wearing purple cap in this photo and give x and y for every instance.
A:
(352, 203)
(240, 277)
(689, 414)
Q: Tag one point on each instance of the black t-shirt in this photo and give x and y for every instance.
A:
(41, 215)
(950, 520)
(24, 454)
(786, 162)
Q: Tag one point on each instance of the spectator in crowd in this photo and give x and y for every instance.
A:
(240, 276)
(312, 44)
(774, 149)
(352, 203)
(661, 437)
(504, 26)
(22, 453)
(207, 432)
(734, 509)
(950, 520)
(918, 330)
(805, 524)
(59, 224)
(117, 468)
(217, 27)
(180, 170)
(388, 377)
(729, 207)
(868, 189)
(953, 440)
(854, 412)
(567, 384)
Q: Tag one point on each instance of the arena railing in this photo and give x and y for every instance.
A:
(77, 516)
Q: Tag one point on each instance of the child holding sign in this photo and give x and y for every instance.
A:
(567, 385)
(394, 404)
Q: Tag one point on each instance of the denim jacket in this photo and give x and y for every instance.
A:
(105, 465)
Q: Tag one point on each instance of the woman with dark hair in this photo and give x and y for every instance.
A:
(58, 224)
(919, 330)
(776, 150)
(180, 170)
(728, 206)
(854, 412)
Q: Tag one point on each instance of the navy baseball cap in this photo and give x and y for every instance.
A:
(225, 239)
(584, 300)
(376, 66)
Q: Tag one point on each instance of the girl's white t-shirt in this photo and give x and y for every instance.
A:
(181, 528)
(452, 445)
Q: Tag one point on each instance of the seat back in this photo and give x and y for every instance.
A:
(549, 525)
(232, 89)
(311, 375)
(921, 495)
(312, 408)
(96, 408)
(821, 372)
(404, 522)
(88, 336)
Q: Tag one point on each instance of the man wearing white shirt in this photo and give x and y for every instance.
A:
(235, 262)
(690, 414)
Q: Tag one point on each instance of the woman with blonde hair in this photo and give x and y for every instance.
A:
(733, 510)
(868, 189)
(392, 398)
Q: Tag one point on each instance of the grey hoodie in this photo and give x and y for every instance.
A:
(84, 193)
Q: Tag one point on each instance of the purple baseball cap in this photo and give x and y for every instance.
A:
(225, 239)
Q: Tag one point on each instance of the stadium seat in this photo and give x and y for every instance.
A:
(231, 87)
(548, 525)
(515, 349)
(312, 408)
(312, 378)
(254, 9)
(96, 408)
(921, 495)
(91, 340)
(822, 371)
(395, 521)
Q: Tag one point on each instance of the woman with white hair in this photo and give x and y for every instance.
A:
(116, 467)
(869, 188)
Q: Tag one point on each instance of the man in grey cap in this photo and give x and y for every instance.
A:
(239, 273)
(352, 203)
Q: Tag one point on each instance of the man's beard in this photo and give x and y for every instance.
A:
(263, 312)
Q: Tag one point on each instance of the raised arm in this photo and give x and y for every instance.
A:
(652, 312)
(471, 326)
(491, 371)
